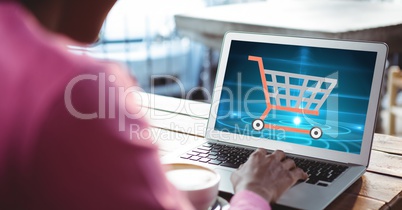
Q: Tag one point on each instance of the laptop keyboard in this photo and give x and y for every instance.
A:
(320, 173)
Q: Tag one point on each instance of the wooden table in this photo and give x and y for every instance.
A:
(334, 19)
(177, 122)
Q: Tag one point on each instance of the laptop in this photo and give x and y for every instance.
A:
(315, 99)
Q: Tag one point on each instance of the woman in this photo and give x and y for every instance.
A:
(60, 149)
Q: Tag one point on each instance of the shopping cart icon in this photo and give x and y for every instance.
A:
(292, 92)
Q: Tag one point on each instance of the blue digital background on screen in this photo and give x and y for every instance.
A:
(342, 116)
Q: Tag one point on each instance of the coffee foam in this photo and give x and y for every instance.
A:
(191, 179)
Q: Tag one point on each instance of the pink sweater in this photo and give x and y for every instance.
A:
(64, 137)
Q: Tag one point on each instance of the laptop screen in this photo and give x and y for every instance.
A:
(309, 96)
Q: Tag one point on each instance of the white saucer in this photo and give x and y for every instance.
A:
(220, 204)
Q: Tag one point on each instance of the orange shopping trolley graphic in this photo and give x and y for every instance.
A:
(318, 89)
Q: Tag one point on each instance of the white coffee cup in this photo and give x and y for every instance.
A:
(198, 183)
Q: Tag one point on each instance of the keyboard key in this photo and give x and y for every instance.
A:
(213, 157)
(322, 184)
(204, 160)
(224, 152)
(215, 149)
(312, 181)
(213, 153)
(185, 156)
(195, 158)
(217, 146)
(200, 151)
(221, 158)
(193, 153)
(208, 145)
(204, 148)
(215, 162)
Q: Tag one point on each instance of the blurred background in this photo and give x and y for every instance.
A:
(144, 37)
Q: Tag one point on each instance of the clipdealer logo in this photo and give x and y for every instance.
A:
(122, 103)
(123, 99)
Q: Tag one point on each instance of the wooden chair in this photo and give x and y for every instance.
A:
(394, 85)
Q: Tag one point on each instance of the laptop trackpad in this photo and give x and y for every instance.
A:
(225, 184)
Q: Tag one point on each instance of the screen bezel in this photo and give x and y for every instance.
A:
(360, 159)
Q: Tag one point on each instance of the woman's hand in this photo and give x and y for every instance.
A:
(267, 175)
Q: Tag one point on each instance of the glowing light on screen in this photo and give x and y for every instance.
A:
(297, 120)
